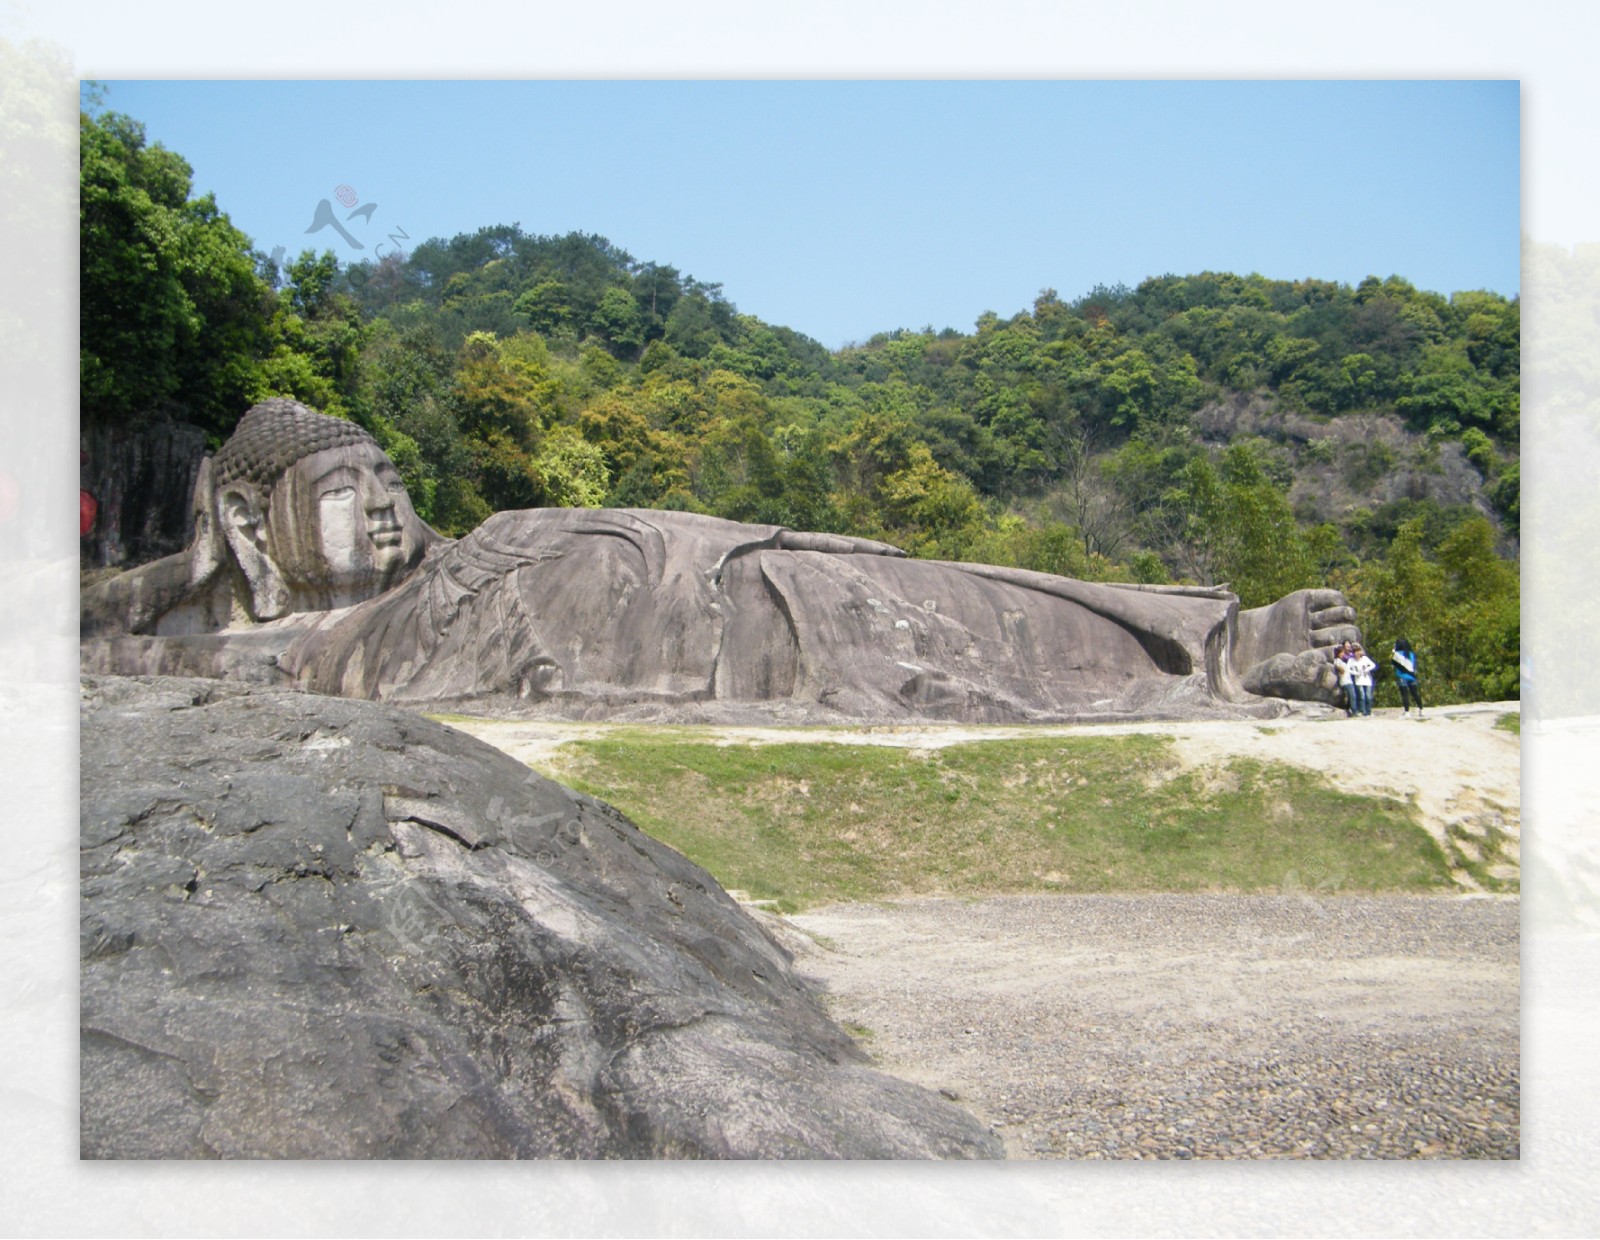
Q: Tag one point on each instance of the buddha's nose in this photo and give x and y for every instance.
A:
(380, 504)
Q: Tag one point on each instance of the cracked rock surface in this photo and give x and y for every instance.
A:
(321, 928)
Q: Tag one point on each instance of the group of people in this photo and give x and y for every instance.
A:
(1356, 670)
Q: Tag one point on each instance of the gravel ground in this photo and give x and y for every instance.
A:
(1209, 1026)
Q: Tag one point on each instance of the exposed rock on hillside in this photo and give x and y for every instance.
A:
(1352, 461)
(314, 927)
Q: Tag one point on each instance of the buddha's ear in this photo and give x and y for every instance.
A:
(207, 551)
(243, 518)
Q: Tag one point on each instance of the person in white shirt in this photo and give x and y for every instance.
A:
(1361, 669)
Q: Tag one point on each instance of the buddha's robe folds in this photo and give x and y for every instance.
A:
(599, 613)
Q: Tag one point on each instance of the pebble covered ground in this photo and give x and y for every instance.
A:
(1184, 1026)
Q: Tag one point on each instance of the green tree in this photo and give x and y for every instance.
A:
(619, 322)
(1446, 393)
(573, 470)
(501, 387)
(1401, 595)
(547, 306)
(1358, 379)
(645, 460)
(1506, 495)
(928, 509)
(317, 338)
(1237, 526)
(172, 315)
(1265, 554)
(1459, 606)
(407, 392)
(1196, 522)
(1479, 450)
(504, 474)
(691, 328)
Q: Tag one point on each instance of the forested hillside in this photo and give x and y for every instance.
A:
(1206, 428)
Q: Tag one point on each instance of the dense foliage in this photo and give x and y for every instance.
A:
(503, 369)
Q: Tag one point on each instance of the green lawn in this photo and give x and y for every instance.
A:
(806, 824)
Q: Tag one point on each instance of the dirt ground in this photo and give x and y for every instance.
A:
(1301, 1024)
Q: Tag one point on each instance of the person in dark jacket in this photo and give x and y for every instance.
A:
(1404, 659)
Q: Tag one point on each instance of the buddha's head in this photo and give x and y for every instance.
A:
(311, 510)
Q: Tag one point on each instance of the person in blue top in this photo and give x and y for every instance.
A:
(1405, 675)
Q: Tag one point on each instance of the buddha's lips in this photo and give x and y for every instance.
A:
(388, 537)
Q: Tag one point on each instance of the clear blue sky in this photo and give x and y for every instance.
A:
(846, 208)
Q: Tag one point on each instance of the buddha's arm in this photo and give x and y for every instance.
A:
(833, 544)
(134, 601)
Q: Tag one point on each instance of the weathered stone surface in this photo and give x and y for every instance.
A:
(141, 481)
(599, 613)
(323, 928)
(1307, 677)
(298, 512)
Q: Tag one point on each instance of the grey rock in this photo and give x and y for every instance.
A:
(319, 928)
(596, 613)
(141, 479)
(1307, 677)
(298, 512)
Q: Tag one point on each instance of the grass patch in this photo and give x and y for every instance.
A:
(1510, 722)
(1478, 846)
(1476, 854)
(808, 824)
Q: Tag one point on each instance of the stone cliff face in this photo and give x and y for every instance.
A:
(142, 482)
(318, 928)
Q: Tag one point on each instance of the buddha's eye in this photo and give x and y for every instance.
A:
(340, 493)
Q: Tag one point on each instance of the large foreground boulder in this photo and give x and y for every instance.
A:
(322, 928)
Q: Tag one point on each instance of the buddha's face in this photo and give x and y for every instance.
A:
(365, 524)
(342, 525)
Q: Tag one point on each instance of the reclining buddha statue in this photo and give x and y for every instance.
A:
(310, 568)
